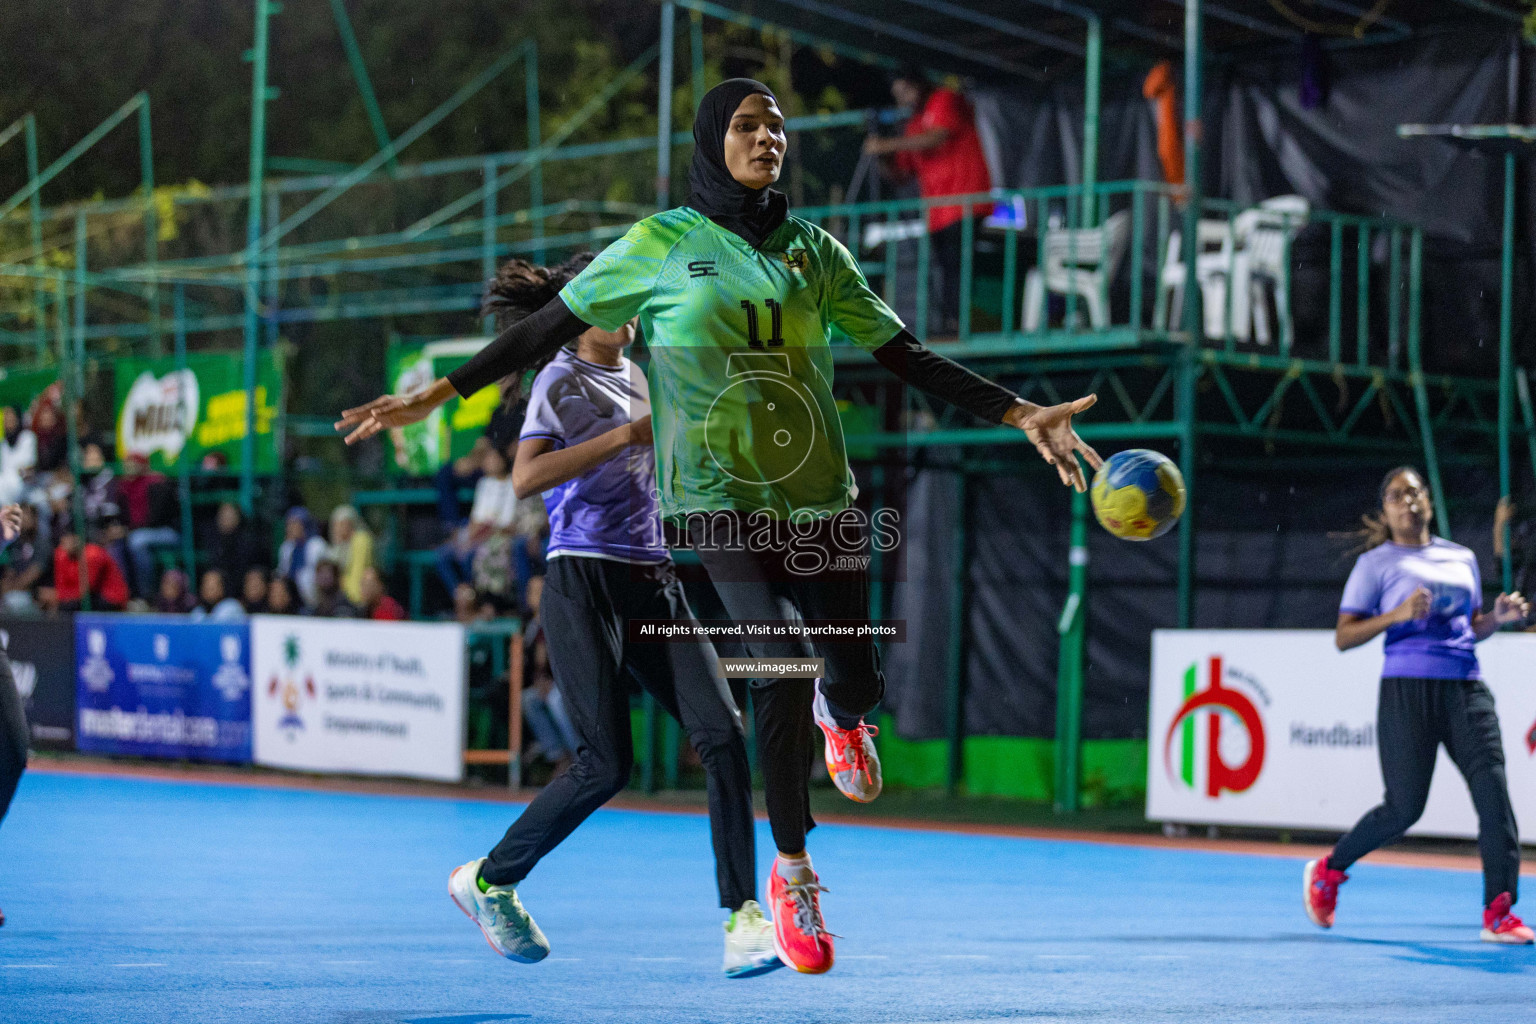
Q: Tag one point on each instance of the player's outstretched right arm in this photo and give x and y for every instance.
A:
(512, 351)
(540, 466)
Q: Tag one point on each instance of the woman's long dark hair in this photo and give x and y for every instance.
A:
(519, 289)
(1374, 531)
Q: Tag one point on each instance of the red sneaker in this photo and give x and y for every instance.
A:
(1499, 925)
(850, 753)
(1320, 891)
(800, 936)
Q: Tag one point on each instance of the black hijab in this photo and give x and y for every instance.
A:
(754, 214)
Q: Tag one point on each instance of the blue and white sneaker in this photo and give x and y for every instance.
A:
(500, 915)
(749, 943)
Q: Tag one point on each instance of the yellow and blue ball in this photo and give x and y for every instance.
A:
(1138, 494)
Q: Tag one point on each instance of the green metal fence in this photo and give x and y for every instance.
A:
(88, 281)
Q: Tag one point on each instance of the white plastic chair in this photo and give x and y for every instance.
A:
(1216, 241)
(1080, 261)
(1263, 259)
(879, 232)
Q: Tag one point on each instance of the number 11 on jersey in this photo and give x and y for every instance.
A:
(776, 314)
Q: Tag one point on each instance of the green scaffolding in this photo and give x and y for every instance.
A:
(1156, 383)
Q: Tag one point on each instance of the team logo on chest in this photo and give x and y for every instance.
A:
(794, 259)
(703, 268)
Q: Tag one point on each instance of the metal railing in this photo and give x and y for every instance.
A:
(1061, 220)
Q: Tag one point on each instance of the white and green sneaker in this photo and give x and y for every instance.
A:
(500, 915)
(749, 943)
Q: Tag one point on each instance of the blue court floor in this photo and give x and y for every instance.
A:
(153, 901)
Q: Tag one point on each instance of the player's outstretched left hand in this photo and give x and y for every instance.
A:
(1049, 428)
(389, 411)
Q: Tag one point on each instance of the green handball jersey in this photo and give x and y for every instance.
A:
(741, 366)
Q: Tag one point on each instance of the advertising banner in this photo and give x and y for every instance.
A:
(165, 413)
(451, 429)
(345, 695)
(42, 663)
(156, 686)
(20, 388)
(1278, 728)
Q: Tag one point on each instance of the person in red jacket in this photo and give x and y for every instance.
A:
(377, 604)
(942, 150)
(105, 582)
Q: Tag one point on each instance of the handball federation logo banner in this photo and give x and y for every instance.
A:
(1215, 703)
(1277, 728)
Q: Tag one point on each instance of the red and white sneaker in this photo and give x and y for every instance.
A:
(851, 758)
(1320, 891)
(1499, 925)
(800, 936)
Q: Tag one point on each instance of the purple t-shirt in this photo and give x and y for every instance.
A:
(1441, 645)
(611, 511)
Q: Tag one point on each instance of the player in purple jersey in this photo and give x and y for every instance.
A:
(1426, 595)
(13, 720)
(586, 445)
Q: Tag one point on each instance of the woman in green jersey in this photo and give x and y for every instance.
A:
(737, 301)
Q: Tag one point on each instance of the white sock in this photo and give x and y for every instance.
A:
(796, 870)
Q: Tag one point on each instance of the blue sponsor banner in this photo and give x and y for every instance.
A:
(163, 687)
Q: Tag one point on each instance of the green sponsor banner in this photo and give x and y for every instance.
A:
(166, 414)
(19, 387)
(451, 430)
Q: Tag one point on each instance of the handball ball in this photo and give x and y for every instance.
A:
(1138, 494)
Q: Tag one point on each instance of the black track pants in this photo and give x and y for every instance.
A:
(1414, 717)
(818, 572)
(13, 735)
(586, 605)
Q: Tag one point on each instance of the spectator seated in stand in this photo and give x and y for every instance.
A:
(330, 602)
(112, 534)
(301, 551)
(152, 512)
(98, 486)
(105, 585)
(52, 439)
(29, 564)
(215, 603)
(468, 607)
(175, 596)
(253, 591)
(375, 603)
(491, 516)
(544, 710)
(456, 474)
(530, 528)
(280, 599)
(18, 456)
(351, 549)
(232, 545)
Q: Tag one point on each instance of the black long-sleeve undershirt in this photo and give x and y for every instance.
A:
(921, 367)
(530, 339)
(544, 331)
